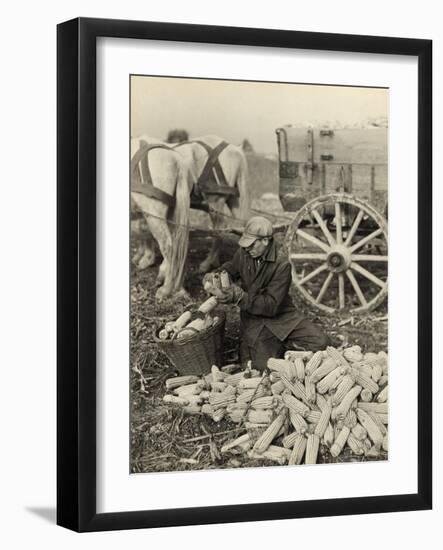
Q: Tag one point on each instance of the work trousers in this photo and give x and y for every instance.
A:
(305, 337)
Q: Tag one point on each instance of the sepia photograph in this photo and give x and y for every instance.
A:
(258, 265)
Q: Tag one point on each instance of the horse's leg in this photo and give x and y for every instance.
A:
(148, 257)
(213, 258)
(141, 249)
(160, 232)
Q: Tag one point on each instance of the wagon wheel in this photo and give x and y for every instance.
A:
(338, 245)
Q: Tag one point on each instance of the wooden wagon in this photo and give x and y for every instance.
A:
(336, 181)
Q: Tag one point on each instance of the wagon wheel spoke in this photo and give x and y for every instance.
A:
(354, 227)
(341, 290)
(369, 258)
(366, 239)
(338, 225)
(324, 287)
(367, 274)
(356, 287)
(313, 274)
(315, 257)
(312, 240)
(323, 227)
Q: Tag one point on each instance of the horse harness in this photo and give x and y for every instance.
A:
(144, 184)
(212, 180)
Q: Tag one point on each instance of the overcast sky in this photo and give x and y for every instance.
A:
(236, 110)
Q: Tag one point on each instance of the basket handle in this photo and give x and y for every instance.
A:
(181, 330)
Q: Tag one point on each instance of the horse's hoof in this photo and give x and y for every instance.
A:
(162, 293)
(144, 263)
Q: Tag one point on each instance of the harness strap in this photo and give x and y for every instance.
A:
(145, 184)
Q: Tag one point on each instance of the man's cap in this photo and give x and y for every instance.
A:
(256, 228)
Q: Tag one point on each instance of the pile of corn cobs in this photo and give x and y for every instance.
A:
(334, 398)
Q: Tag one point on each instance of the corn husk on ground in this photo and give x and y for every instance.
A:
(332, 401)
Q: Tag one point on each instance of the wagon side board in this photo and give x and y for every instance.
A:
(314, 162)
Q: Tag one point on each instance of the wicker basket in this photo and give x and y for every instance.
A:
(197, 353)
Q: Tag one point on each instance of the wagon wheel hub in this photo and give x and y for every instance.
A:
(335, 265)
(339, 259)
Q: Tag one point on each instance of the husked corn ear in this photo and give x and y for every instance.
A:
(274, 376)
(366, 395)
(177, 381)
(277, 388)
(383, 418)
(265, 402)
(383, 380)
(207, 409)
(337, 356)
(292, 355)
(191, 389)
(311, 394)
(371, 427)
(371, 356)
(325, 368)
(335, 384)
(312, 446)
(298, 450)
(243, 442)
(359, 432)
(260, 417)
(248, 395)
(374, 407)
(218, 386)
(355, 445)
(297, 420)
(382, 397)
(326, 383)
(351, 419)
(296, 388)
(313, 417)
(314, 362)
(364, 381)
(345, 404)
(217, 374)
(282, 366)
(192, 409)
(237, 406)
(174, 400)
(328, 436)
(385, 444)
(376, 372)
(378, 422)
(234, 379)
(299, 369)
(324, 419)
(288, 440)
(219, 414)
(343, 389)
(295, 405)
(321, 401)
(273, 452)
(269, 435)
(220, 400)
(230, 369)
(367, 444)
(250, 383)
(340, 441)
(353, 354)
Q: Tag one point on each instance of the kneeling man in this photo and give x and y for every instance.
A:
(269, 321)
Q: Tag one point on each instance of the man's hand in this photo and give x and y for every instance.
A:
(231, 295)
(207, 283)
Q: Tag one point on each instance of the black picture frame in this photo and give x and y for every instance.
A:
(76, 279)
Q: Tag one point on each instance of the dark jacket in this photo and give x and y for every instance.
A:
(266, 302)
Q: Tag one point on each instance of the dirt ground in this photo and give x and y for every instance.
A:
(162, 437)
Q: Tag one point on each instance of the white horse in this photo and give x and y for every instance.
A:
(169, 226)
(233, 163)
